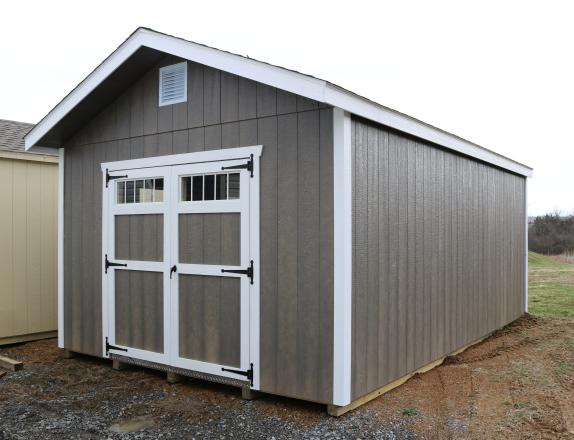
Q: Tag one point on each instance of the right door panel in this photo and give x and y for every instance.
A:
(210, 289)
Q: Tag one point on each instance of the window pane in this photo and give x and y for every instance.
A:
(139, 190)
(129, 191)
(121, 192)
(234, 186)
(221, 187)
(147, 192)
(158, 191)
(209, 187)
(197, 187)
(186, 189)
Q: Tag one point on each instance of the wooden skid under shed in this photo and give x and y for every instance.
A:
(337, 411)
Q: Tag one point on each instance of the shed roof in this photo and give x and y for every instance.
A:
(12, 135)
(145, 47)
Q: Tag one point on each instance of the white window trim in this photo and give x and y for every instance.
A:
(162, 103)
(343, 257)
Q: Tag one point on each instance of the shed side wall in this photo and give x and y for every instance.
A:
(28, 226)
(438, 253)
(223, 111)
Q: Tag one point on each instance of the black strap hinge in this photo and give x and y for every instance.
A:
(113, 347)
(250, 271)
(244, 166)
(108, 177)
(108, 263)
(248, 374)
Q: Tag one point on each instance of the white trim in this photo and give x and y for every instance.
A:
(284, 79)
(185, 158)
(163, 103)
(171, 167)
(526, 245)
(49, 151)
(105, 219)
(254, 294)
(343, 258)
(61, 248)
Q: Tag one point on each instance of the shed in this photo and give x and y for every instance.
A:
(28, 238)
(236, 221)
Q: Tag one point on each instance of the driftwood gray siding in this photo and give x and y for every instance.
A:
(223, 111)
(438, 253)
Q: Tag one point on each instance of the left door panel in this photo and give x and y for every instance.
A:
(136, 258)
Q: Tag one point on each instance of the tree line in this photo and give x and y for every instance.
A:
(551, 234)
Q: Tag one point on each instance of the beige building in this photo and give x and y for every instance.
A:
(28, 232)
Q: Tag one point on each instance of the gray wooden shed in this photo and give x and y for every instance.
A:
(232, 220)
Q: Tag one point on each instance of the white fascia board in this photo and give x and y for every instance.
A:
(360, 106)
(288, 80)
(119, 56)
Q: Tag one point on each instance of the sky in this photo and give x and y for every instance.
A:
(498, 73)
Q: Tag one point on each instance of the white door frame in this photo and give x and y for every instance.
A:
(129, 167)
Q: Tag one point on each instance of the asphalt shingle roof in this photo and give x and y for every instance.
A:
(12, 135)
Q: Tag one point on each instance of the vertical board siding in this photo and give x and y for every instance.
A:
(28, 239)
(438, 253)
(296, 184)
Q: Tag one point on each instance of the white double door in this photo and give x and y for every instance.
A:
(177, 266)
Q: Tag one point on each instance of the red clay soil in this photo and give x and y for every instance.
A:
(517, 384)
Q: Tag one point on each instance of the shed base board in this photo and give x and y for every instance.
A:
(336, 411)
(27, 338)
(180, 371)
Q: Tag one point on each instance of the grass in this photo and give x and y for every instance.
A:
(410, 411)
(550, 286)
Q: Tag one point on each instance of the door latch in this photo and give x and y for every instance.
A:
(249, 271)
(172, 270)
(108, 263)
(244, 166)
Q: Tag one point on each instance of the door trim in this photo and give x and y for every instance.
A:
(199, 157)
(185, 158)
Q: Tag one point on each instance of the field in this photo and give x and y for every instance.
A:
(551, 286)
(516, 384)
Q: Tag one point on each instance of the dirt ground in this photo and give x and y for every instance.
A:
(517, 384)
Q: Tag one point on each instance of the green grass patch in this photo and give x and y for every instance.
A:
(410, 411)
(550, 286)
(565, 368)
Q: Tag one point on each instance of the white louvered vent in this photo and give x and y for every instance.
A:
(173, 84)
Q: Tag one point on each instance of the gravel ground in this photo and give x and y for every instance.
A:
(84, 398)
(517, 384)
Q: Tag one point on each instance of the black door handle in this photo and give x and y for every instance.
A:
(172, 270)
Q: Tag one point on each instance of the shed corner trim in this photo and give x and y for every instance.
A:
(343, 247)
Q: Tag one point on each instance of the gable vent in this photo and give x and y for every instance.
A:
(173, 84)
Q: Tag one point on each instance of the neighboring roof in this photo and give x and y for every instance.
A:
(12, 135)
(142, 49)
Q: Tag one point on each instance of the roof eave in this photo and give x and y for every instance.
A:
(291, 81)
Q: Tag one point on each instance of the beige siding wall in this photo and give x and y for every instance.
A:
(438, 253)
(28, 244)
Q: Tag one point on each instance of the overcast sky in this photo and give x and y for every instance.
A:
(498, 73)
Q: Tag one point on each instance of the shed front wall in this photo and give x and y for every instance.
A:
(438, 253)
(222, 111)
(28, 240)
